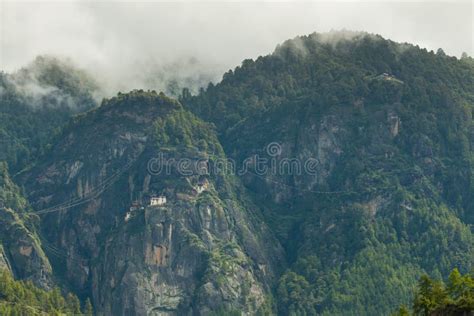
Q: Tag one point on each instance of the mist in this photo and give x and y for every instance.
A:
(167, 46)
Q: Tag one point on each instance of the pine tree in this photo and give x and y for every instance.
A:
(73, 304)
(88, 310)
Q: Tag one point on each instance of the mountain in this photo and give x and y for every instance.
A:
(206, 249)
(391, 193)
(323, 179)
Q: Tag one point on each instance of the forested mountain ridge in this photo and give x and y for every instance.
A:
(330, 68)
(391, 128)
(390, 198)
(35, 102)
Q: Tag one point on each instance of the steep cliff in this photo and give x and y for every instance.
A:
(21, 253)
(205, 249)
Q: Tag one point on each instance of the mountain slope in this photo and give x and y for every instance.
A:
(206, 249)
(390, 127)
(21, 252)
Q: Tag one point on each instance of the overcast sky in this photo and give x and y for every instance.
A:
(125, 40)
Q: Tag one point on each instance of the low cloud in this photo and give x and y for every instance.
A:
(50, 82)
(166, 46)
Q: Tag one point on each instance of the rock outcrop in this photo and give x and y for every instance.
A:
(21, 251)
(203, 249)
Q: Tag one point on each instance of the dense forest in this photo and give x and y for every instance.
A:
(435, 297)
(398, 120)
(23, 298)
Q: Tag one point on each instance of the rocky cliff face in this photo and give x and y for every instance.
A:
(20, 249)
(195, 253)
(205, 249)
(22, 253)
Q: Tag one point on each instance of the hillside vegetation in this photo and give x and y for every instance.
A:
(434, 297)
(23, 298)
(391, 126)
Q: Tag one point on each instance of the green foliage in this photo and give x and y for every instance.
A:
(88, 309)
(23, 298)
(141, 99)
(182, 128)
(434, 297)
(10, 195)
(295, 295)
